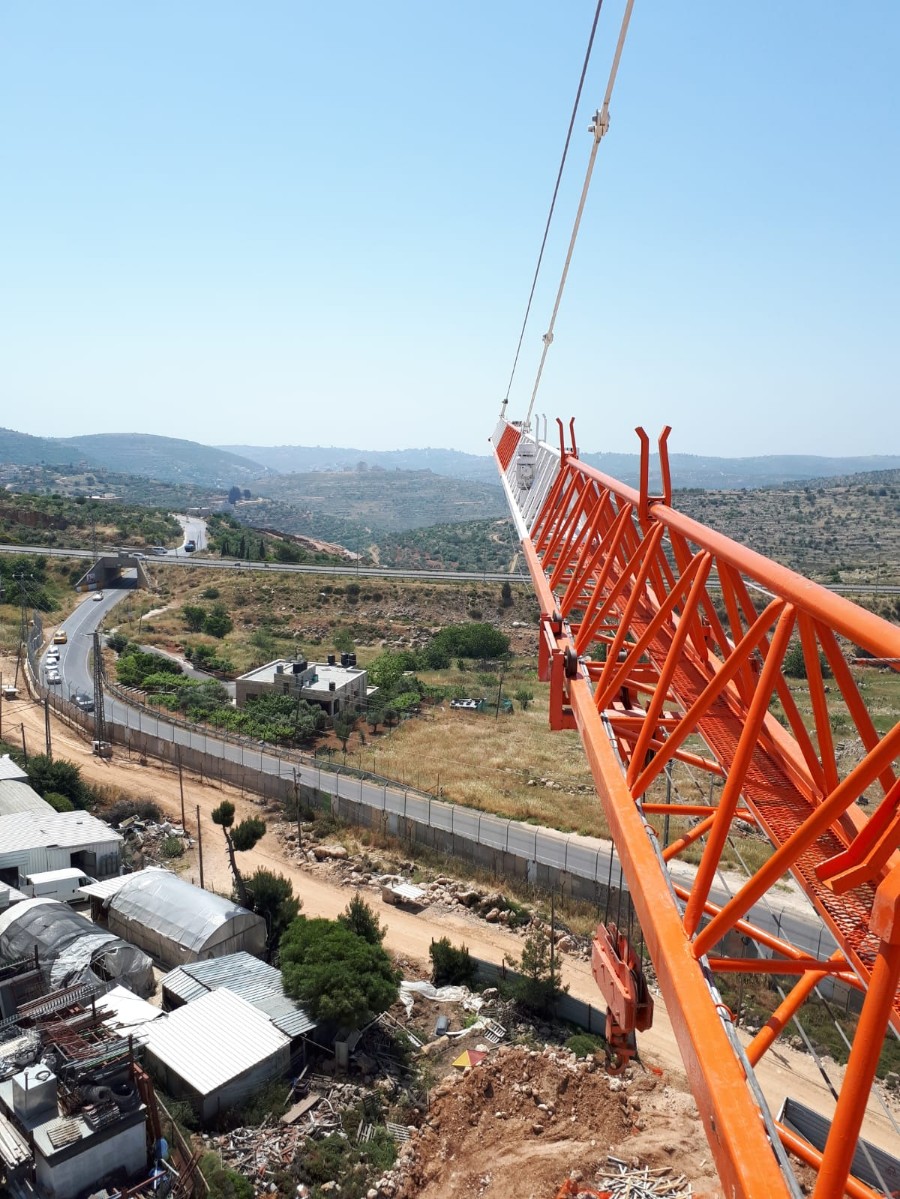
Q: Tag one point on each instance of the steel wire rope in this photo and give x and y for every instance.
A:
(562, 164)
(598, 128)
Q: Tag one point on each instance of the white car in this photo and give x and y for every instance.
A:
(53, 675)
(52, 658)
(97, 597)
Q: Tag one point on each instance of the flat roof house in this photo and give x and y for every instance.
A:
(334, 687)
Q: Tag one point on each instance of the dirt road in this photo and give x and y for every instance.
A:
(783, 1071)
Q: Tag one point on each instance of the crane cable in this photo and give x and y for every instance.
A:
(537, 269)
(598, 128)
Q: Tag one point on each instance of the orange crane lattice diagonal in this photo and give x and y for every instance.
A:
(664, 643)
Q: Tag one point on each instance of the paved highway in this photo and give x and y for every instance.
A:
(178, 557)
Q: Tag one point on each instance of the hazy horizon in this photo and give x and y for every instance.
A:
(324, 222)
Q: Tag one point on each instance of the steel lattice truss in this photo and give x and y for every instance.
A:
(664, 643)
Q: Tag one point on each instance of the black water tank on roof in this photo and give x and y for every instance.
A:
(331, 659)
(352, 659)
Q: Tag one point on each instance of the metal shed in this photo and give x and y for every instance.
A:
(35, 841)
(16, 796)
(176, 922)
(70, 948)
(255, 981)
(215, 1052)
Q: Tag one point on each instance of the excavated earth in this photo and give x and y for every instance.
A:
(522, 1121)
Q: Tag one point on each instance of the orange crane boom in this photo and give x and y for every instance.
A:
(664, 642)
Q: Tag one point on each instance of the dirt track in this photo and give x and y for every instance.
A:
(783, 1070)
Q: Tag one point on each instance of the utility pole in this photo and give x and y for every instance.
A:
(100, 737)
(181, 786)
(24, 746)
(200, 847)
(47, 727)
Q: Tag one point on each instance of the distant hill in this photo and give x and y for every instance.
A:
(169, 459)
(688, 470)
(21, 449)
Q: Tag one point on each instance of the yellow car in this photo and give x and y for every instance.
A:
(60, 637)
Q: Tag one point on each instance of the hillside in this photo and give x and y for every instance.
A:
(169, 459)
(21, 449)
(298, 459)
(386, 500)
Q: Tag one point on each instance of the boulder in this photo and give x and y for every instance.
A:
(336, 852)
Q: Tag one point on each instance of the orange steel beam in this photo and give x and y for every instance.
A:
(642, 657)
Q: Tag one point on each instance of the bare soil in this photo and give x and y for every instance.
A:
(518, 1124)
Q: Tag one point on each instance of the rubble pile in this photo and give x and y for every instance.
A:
(144, 840)
(260, 1153)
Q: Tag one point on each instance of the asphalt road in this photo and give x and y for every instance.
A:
(74, 656)
(178, 557)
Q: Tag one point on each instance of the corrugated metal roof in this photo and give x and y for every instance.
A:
(216, 1038)
(128, 1013)
(244, 975)
(16, 796)
(64, 830)
(177, 909)
(109, 886)
(9, 769)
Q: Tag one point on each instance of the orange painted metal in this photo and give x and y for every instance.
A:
(664, 644)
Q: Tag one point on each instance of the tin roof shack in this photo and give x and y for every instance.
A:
(173, 920)
(76, 1133)
(215, 1052)
(243, 975)
(77, 1114)
(32, 842)
(335, 688)
(70, 948)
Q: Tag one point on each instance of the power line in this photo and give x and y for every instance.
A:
(599, 128)
(537, 269)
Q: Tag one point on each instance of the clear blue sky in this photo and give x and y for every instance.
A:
(282, 222)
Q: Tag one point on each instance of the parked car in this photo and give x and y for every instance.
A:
(60, 637)
(83, 701)
(52, 658)
(53, 675)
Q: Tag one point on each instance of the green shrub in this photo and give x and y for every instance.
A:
(172, 847)
(451, 966)
(583, 1044)
(58, 802)
(222, 1182)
